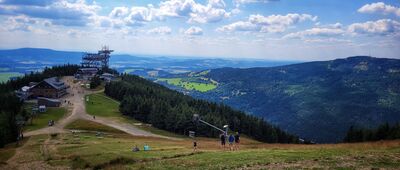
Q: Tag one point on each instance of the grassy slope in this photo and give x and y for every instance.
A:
(101, 105)
(42, 119)
(113, 150)
(85, 150)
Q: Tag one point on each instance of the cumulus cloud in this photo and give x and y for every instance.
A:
(271, 23)
(379, 27)
(316, 32)
(61, 12)
(240, 2)
(160, 30)
(119, 12)
(194, 31)
(138, 16)
(380, 7)
(212, 12)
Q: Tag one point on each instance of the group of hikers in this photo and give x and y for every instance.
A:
(233, 140)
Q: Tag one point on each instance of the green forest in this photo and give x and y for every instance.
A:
(170, 110)
(383, 132)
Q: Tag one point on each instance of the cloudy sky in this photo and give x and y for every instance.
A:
(265, 29)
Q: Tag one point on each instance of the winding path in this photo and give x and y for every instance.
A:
(77, 111)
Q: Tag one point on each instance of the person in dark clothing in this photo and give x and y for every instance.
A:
(194, 146)
(223, 139)
(237, 140)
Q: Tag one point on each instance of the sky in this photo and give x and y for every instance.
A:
(263, 29)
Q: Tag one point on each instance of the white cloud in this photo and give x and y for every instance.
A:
(160, 30)
(212, 12)
(320, 32)
(240, 2)
(138, 16)
(62, 12)
(119, 12)
(194, 31)
(379, 27)
(271, 23)
(238, 26)
(380, 7)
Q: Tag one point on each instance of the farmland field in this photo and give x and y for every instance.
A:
(188, 85)
(4, 76)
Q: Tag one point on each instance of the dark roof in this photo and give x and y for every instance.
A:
(55, 82)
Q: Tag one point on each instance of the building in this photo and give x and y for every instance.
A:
(42, 101)
(107, 77)
(49, 88)
(23, 93)
(42, 109)
(86, 73)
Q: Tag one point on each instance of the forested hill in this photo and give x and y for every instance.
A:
(170, 110)
(316, 100)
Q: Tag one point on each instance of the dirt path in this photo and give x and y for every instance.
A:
(78, 111)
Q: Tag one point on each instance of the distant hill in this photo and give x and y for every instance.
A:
(316, 100)
(40, 55)
(33, 59)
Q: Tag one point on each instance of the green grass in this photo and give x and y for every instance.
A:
(202, 87)
(130, 70)
(101, 105)
(9, 150)
(113, 151)
(5, 76)
(41, 120)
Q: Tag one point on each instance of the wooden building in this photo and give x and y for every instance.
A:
(49, 88)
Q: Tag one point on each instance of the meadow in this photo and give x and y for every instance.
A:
(113, 150)
(41, 120)
(189, 85)
(101, 105)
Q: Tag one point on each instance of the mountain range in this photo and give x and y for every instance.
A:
(318, 101)
(25, 60)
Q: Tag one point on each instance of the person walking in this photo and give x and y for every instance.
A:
(223, 139)
(231, 139)
(237, 140)
(194, 145)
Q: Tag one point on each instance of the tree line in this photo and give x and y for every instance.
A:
(11, 107)
(383, 132)
(172, 111)
(55, 71)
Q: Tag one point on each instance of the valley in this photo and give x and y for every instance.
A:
(88, 143)
(318, 101)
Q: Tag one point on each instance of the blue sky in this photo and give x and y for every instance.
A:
(263, 29)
